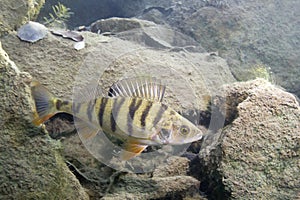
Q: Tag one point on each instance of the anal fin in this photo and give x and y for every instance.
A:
(132, 149)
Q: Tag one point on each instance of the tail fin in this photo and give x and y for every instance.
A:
(44, 103)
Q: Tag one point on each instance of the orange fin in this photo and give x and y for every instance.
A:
(38, 121)
(132, 149)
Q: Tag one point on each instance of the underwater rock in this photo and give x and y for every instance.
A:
(14, 13)
(247, 33)
(31, 164)
(161, 36)
(116, 25)
(168, 181)
(174, 187)
(32, 32)
(257, 154)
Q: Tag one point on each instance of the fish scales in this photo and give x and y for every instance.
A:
(82, 110)
(105, 112)
(159, 114)
(122, 115)
(133, 108)
(100, 109)
(128, 116)
(145, 113)
(114, 115)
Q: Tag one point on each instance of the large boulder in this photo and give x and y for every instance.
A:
(257, 154)
(14, 13)
(169, 181)
(246, 34)
(31, 164)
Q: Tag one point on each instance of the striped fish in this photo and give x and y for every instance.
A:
(133, 112)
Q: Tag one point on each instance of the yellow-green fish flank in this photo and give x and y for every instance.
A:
(134, 113)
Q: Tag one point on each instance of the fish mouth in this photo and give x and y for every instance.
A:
(197, 137)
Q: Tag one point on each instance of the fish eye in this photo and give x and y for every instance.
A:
(184, 130)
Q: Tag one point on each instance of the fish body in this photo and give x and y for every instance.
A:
(137, 118)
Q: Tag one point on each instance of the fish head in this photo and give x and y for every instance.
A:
(184, 131)
(178, 130)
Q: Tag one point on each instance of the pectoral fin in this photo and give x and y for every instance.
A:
(132, 149)
(40, 120)
(86, 130)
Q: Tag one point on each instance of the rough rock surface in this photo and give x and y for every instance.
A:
(169, 181)
(257, 155)
(14, 13)
(116, 25)
(31, 166)
(251, 32)
(146, 33)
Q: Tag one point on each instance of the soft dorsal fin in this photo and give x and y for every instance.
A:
(149, 88)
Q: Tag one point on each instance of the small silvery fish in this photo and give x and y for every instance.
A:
(133, 112)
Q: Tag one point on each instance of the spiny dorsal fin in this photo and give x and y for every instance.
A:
(148, 88)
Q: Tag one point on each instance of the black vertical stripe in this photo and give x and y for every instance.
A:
(90, 109)
(133, 107)
(115, 111)
(101, 110)
(159, 114)
(145, 113)
(58, 104)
